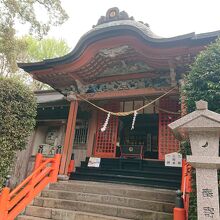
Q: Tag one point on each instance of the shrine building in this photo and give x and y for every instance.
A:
(119, 66)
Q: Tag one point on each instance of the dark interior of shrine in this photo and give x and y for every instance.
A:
(142, 141)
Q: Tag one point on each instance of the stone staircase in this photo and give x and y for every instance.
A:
(149, 173)
(81, 200)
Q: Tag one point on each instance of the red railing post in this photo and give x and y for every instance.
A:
(39, 157)
(71, 165)
(4, 202)
(46, 171)
(56, 165)
(179, 213)
(186, 184)
(4, 199)
(38, 161)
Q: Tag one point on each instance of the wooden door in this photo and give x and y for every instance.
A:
(105, 144)
(167, 143)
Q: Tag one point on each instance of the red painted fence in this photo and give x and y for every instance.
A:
(180, 212)
(186, 185)
(45, 172)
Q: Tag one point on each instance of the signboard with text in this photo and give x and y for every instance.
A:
(94, 162)
(173, 160)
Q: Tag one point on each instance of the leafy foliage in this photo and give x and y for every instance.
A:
(10, 48)
(25, 12)
(202, 82)
(37, 50)
(17, 119)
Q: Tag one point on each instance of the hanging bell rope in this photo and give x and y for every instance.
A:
(129, 112)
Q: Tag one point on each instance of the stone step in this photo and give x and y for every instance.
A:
(28, 217)
(109, 199)
(103, 209)
(173, 183)
(122, 190)
(68, 215)
(113, 163)
(146, 173)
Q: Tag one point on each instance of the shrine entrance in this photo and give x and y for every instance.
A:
(121, 59)
(141, 142)
(150, 139)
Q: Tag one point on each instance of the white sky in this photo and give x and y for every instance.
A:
(166, 18)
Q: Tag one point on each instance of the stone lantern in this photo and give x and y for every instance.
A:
(202, 128)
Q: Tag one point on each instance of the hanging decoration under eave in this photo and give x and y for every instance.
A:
(134, 119)
(134, 112)
(106, 122)
(108, 117)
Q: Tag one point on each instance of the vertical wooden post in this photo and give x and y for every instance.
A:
(39, 157)
(4, 200)
(38, 160)
(68, 142)
(55, 167)
(179, 213)
(71, 166)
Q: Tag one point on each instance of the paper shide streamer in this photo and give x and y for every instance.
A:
(134, 119)
(106, 122)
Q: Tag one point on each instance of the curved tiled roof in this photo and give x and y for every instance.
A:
(121, 27)
(144, 28)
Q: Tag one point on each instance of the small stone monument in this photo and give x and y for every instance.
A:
(202, 127)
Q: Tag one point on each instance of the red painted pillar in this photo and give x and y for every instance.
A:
(68, 142)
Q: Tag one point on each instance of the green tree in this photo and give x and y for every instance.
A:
(25, 12)
(17, 119)
(202, 82)
(38, 50)
(35, 50)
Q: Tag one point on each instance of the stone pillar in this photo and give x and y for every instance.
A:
(202, 127)
(205, 148)
(68, 142)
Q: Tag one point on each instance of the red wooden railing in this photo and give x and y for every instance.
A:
(186, 185)
(45, 172)
(181, 209)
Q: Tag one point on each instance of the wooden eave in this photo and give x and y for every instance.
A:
(159, 53)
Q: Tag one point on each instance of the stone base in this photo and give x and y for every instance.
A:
(63, 178)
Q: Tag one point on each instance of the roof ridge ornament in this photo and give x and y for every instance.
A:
(113, 14)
